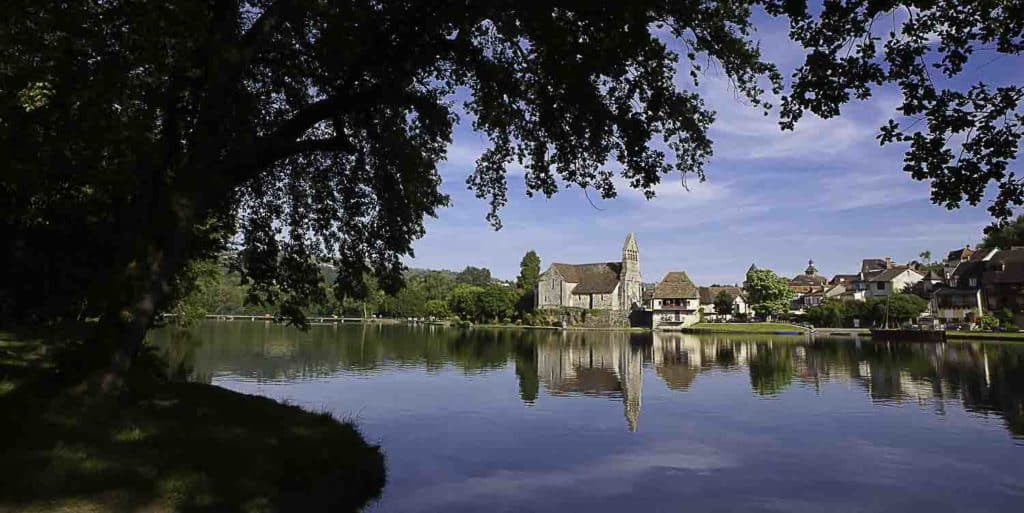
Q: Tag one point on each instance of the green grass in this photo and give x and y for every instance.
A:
(171, 447)
(740, 327)
(985, 335)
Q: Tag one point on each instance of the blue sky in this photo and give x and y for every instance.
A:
(826, 191)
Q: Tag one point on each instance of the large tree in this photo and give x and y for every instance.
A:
(768, 293)
(961, 128)
(138, 136)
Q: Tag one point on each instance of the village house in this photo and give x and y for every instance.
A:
(708, 295)
(1002, 283)
(953, 259)
(960, 300)
(597, 286)
(894, 280)
(675, 302)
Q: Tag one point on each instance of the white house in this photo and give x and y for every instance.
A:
(675, 302)
(891, 281)
(707, 302)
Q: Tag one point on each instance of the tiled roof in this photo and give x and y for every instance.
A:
(844, 278)
(959, 254)
(873, 264)
(889, 274)
(598, 278)
(676, 285)
(708, 294)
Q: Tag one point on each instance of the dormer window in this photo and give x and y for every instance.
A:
(972, 281)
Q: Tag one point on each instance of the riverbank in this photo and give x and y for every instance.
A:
(170, 447)
(754, 328)
(984, 335)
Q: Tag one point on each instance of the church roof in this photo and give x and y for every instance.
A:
(597, 278)
(676, 285)
(808, 279)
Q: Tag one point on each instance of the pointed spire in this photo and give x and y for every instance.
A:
(630, 240)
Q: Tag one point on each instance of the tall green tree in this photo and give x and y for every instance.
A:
(529, 271)
(526, 282)
(767, 293)
(723, 303)
(138, 136)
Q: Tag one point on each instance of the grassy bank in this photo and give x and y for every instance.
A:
(1018, 337)
(171, 447)
(740, 327)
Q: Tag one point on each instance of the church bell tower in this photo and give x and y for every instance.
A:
(630, 286)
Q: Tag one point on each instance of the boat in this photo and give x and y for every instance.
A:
(905, 334)
(908, 335)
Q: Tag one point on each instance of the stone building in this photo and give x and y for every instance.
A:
(598, 286)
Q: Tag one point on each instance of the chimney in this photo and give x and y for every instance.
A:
(888, 262)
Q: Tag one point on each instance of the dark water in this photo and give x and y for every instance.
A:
(508, 420)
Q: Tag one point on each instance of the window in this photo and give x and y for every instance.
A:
(952, 282)
(881, 285)
(972, 281)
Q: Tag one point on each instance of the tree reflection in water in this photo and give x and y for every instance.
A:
(986, 377)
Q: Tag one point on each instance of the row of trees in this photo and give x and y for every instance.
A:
(895, 309)
(471, 294)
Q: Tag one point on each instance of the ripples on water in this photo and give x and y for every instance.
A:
(531, 420)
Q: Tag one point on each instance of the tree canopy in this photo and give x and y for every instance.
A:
(767, 293)
(961, 133)
(1005, 237)
(723, 303)
(141, 136)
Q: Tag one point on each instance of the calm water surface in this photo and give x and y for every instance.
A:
(510, 420)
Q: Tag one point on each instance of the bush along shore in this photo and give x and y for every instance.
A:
(167, 446)
(742, 327)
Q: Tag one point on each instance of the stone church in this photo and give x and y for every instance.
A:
(599, 286)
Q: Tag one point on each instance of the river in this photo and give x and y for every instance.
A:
(536, 420)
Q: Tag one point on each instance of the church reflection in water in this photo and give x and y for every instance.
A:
(985, 378)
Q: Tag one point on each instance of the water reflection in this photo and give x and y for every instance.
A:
(985, 378)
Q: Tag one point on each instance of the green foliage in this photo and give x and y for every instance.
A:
(496, 302)
(478, 276)
(902, 307)
(313, 130)
(767, 293)
(1005, 317)
(408, 302)
(436, 308)
(465, 301)
(841, 314)
(529, 272)
(960, 135)
(988, 322)
(1004, 237)
(723, 303)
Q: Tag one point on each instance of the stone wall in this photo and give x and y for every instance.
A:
(589, 318)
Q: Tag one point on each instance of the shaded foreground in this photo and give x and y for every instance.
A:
(171, 447)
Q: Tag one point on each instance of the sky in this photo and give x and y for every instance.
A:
(826, 191)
